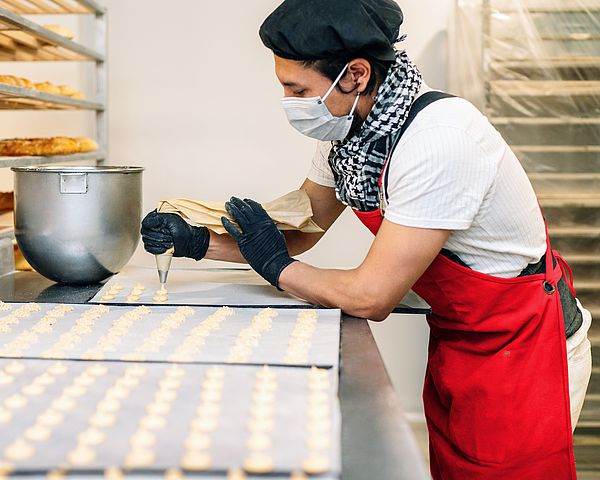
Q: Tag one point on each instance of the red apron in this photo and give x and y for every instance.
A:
(496, 393)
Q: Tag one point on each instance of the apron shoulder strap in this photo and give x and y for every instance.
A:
(417, 107)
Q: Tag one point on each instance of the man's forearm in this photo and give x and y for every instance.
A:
(344, 289)
(299, 242)
(223, 248)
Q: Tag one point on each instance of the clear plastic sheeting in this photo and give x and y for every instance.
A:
(533, 67)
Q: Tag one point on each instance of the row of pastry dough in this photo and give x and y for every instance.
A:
(160, 335)
(161, 296)
(261, 423)
(248, 338)
(68, 340)
(206, 420)
(196, 338)
(46, 87)
(113, 473)
(301, 337)
(31, 336)
(14, 317)
(318, 425)
(142, 451)
(118, 329)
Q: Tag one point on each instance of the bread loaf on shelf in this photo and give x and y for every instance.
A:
(60, 30)
(16, 81)
(46, 87)
(7, 201)
(17, 147)
(20, 263)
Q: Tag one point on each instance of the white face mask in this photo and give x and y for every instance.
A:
(311, 117)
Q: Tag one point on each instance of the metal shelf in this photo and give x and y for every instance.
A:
(544, 88)
(32, 7)
(571, 199)
(549, 62)
(573, 9)
(18, 98)
(6, 162)
(564, 176)
(556, 149)
(541, 6)
(24, 40)
(544, 121)
(573, 37)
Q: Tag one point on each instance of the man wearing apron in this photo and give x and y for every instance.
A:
(455, 219)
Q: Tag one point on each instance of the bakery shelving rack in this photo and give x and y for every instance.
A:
(533, 66)
(23, 40)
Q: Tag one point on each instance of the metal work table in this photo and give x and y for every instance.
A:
(377, 441)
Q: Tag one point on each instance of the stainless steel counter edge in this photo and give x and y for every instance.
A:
(377, 441)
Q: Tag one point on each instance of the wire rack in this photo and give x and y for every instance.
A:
(23, 40)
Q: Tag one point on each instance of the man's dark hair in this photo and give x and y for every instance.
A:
(332, 67)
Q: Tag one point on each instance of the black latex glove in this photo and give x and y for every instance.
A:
(261, 243)
(161, 231)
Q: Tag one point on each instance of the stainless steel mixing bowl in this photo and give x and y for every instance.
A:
(76, 224)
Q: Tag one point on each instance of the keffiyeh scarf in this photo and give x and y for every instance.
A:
(357, 162)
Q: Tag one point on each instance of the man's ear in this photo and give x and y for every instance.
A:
(359, 74)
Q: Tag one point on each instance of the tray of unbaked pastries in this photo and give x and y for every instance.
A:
(86, 416)
(114, 473)
(208, 287)
(180, 334)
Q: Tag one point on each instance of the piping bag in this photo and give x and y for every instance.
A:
(163, 264)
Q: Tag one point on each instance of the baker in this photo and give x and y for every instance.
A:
(455, 218)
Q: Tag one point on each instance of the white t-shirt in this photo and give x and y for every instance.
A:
(452, 170)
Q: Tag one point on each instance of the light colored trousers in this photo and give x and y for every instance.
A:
(579, 354)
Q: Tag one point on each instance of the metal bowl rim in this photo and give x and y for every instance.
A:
(78, 169)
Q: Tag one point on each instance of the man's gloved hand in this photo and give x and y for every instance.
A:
(261, 243)
(161, 231)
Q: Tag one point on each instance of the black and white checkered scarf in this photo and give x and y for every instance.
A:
(357, 161)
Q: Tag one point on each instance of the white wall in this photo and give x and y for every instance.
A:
(193, 98)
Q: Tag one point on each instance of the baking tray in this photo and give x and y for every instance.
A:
(166, 475)
(210, 287)
(170, 334)
(129, 392)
